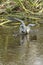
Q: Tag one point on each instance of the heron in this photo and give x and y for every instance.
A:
(23, 28)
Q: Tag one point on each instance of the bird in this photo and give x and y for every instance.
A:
(23, 29)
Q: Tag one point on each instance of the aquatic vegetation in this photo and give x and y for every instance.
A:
(28, 10)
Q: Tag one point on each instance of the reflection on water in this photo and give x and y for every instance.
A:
(21, 49)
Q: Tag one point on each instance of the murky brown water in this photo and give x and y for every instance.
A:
(18, 49)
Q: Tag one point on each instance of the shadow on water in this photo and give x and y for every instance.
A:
(16, 49)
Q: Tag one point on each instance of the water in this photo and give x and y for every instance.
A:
(16, 49)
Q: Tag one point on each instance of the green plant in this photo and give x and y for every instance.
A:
(31, 9)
